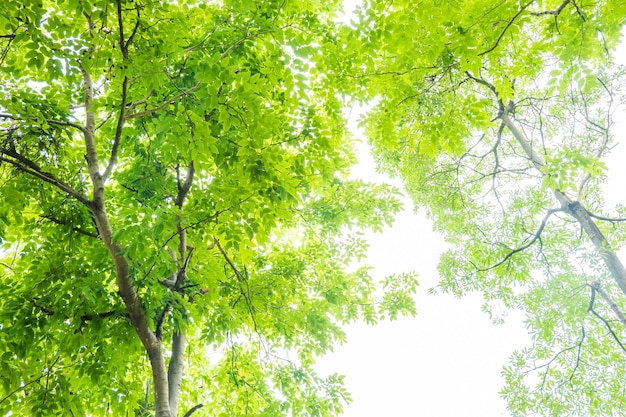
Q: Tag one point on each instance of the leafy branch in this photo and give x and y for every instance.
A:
(49, 121)
(45, 373)
(165, 103)
(242, 279)
(74, 228)
(506, 28)
(30, 167)
(535, 238)
(596, 287)
(554, 12)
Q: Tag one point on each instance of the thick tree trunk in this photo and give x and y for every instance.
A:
(575, 209)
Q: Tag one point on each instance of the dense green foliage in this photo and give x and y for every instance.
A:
(497, 115)
(179, 233)
(175, 171)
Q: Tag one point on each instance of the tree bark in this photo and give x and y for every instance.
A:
(175, 370)
(574, 208)
(124, 281)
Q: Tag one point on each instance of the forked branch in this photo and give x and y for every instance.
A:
(29, 167)
(535, 238)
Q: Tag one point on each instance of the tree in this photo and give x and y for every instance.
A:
(497, 115)
(178, 231)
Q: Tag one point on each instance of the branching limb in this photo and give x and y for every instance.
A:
(49, 121)
(602, 319)
(118, 131)
(554, 12)
(506, 28)
(125, 284)
(596, 287)
(193, 410)
(606, 219)
(574, 208)
(74, 228)
(121, 116)
(182, 273)
(535, 238)
(165, 103)
(29, 167)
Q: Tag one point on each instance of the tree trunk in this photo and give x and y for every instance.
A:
(175, 370)
(575, 209)
(125, 285)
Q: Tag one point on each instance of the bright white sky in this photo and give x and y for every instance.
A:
(445, 362)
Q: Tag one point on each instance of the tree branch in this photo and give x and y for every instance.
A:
(184, 188)
(74, 228)
(165, 104)
(29, 167)
(49, 121)
(618, 311)
(508, 25)
(242, 40)
(606, 323)
(606, 219)
(193, 410)
(574, 208)
(124, 281)
(120, 23)
(536, 236)
(554, 12)
(118, 131)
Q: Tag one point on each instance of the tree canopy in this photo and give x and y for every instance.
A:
(498, 116)
(179, 234)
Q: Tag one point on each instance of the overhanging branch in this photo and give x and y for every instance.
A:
(535, 237)
(30, 168)
(49, 121)
(165, 104)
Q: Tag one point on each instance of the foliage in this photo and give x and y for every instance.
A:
(497, 115)
(171, 172)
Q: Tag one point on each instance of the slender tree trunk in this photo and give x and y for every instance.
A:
(125, 285)
(175, 370)
(575, 209)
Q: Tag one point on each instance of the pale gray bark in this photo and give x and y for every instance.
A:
(574, 208)
(124, 281)
(175, 370)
